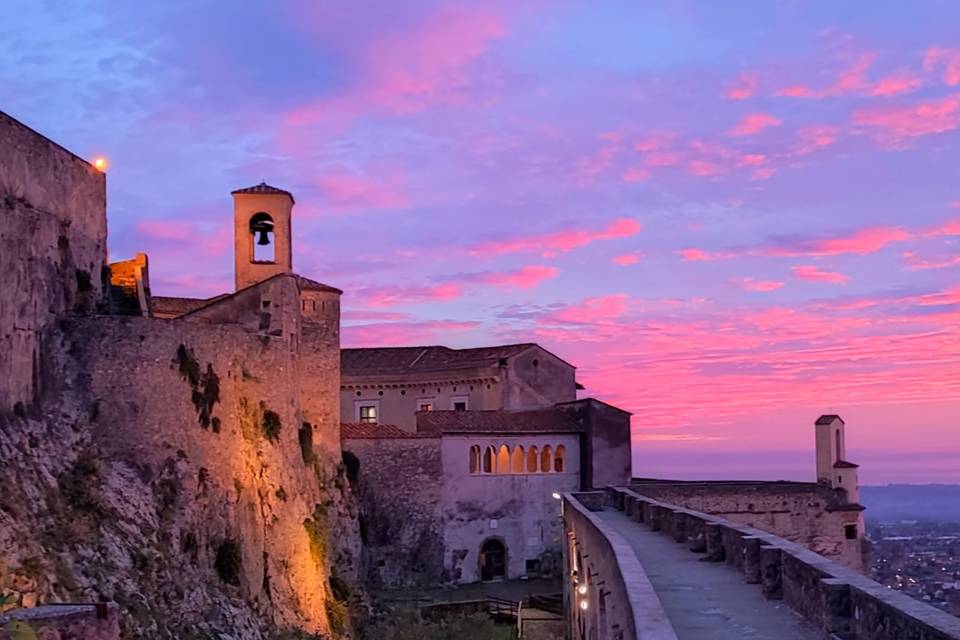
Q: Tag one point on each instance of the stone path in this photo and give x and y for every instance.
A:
(707, 600)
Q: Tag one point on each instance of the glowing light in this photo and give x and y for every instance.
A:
(556, 496)
(582, 589)
(584, 605)
(100, 164)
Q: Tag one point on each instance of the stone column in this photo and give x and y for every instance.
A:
(771, 572)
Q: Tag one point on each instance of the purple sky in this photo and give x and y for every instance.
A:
(732, 216)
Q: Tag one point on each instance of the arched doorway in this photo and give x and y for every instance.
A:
(493, 560)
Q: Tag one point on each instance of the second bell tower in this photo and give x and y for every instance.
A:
(262, 245)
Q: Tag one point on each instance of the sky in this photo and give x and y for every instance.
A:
(731, 216)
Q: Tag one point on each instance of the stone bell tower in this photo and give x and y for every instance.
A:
(832, 466)
(261, 233)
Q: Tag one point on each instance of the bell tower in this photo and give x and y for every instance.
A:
(261, 234)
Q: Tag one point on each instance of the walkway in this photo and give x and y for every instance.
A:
(704, 600)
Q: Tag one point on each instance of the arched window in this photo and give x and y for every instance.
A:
(262, 239)
(503, 459)
(518, 460)
(559, 458)
(532, 459)
(839, 444)
(546, 459)
(474, 459)
(489, 460)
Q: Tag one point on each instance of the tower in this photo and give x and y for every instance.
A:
(832, 466)
(261, 233)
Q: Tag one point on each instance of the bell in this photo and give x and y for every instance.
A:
(263, 240)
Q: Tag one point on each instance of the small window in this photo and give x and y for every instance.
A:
(532, 457)
(503, 459)
(459, 406)
(489, 460)
(459, 403)
(425, 406)
(850, 531)
(518, 459)
(533, 566)
(546, 459)
(368, 414)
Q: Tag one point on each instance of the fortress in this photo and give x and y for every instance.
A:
(221, 465)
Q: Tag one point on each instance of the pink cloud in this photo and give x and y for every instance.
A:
(796, 91)
(695, 255)
(915, 262)
(590, 310)
(524, 278)
(655, 141)
(900, 82)
(627, 259)
(589, 167)
(344, 191)
(754, 123)
(704, 168)
(752, 160)
(924, 118)
(946, 59)
(814, 138)
(853, 79)
(661, 159)
(745, 86)
(389, 334)
(385, 296)
(862, 241)
(559, 241)
(636, 174)
(752, 284)
(808, 272)
(948, 228)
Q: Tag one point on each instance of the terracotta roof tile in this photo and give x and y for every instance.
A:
(497, 421)
(262, 188)
(402, 360)
(373, 431)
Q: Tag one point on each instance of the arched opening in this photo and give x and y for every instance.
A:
(474, 459)
(518, 459)
(493, 560)
(263, 246)
(489, 460)
(839, 443)
(546, 459)
(532, 459)
(559, 458)
(503, 459)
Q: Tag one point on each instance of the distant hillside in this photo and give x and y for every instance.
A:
(939, 502)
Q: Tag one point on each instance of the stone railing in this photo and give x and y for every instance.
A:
(98, 621)
(830, 596)
(619, 603)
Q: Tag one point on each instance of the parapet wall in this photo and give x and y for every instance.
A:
(808, 513)
(53, 249)
(619, 601)
(830, 596)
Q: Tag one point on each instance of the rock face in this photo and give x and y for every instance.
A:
(189, 470)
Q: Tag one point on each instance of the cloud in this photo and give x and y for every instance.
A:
(754, 123)
(852, 79)
(921, 119)
(811, 273)
(627, 259)
(860, 242)
(598, 309)
(753, 284)
(396, 334)
(343, 191)
(383, 296)
(557, 241)
(915, 262)
(524, 278)
(743, 87)
(900, 82)
(945, 60)
(814, 138)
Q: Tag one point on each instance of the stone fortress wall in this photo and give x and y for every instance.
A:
(188, 469)
(53, 248)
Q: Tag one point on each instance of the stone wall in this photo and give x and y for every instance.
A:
(829, 595)
(53, 249)
(607, 454)
(168, 473)
(535, 379)
(811, 514)
(621, 603)
(398, 481)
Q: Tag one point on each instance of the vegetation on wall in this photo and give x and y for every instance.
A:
(204, 387)
(270, 423)
(316, 528)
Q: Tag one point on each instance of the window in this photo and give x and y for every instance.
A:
(850, 532)
(518, 460)
(489, 460)
(474, 459)
(546, 459)
(532, 457)
(459, 403)
(424, 405)
(559, 458)
(503, 459)
(368, 413)
(459, 406)
(533, 566)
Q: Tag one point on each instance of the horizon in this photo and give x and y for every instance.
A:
(730, 219)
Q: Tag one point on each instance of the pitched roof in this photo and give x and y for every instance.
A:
(373, 431)
(828, 418)
(313, 285)
(167, 307)
(498, 421)
(401, 360)
(262, 189)
(843, 464)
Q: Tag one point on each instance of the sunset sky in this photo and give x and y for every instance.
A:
(731, 216)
